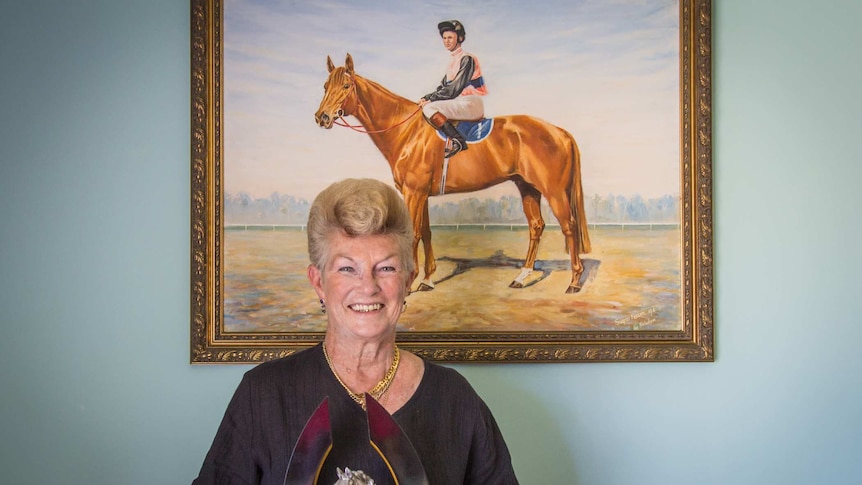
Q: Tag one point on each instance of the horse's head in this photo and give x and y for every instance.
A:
(339, 95)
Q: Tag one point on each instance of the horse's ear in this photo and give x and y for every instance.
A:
(348, 64)
(329, 64)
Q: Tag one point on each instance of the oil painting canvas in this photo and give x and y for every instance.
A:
(589, 114)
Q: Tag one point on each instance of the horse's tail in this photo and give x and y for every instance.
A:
(576, 199)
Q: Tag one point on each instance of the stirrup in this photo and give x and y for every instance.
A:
(454, 147)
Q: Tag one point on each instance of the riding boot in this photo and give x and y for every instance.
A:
(458, 143)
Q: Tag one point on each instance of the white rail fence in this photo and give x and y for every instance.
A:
(473, 227)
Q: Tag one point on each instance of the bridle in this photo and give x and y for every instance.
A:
(340, 113)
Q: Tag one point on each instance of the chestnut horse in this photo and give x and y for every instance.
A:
(540, 158)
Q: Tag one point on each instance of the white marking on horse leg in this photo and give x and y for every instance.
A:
(525, 272)
(428, 282)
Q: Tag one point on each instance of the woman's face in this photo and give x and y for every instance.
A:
(364, 284)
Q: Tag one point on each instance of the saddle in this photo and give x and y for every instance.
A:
(473, 131)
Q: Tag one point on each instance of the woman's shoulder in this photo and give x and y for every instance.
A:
(293, 365)
(439, 377)
(440, 371)
(445, 394)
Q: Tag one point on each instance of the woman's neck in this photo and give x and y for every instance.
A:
(359, 364)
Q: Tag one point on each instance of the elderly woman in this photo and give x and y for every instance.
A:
(360, 245)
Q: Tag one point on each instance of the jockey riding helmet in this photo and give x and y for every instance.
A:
(452, 26)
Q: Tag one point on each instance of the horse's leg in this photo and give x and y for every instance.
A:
(430, 263)
(561, 206)
(417, 205)
(531, 200)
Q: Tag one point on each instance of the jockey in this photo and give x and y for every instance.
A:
(459, 95)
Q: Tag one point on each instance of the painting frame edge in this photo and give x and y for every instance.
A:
(694, 343)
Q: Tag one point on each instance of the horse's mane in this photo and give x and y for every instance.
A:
(379, 87)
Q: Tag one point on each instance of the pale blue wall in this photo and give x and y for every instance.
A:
(95, 386)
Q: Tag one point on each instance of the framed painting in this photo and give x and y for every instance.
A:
(623, 269)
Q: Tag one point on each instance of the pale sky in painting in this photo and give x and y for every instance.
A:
(605, 70)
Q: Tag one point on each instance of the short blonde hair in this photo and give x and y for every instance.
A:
(359, 207)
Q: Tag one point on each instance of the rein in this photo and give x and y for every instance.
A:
(359, 129)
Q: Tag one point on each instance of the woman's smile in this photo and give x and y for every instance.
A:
(366, 308)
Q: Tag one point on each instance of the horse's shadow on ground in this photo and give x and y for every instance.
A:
(500, 260)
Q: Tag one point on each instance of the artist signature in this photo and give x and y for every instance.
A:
(640, 318)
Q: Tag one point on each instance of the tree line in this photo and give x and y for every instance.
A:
(280, 209)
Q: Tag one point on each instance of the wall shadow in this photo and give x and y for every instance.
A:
(535, 437)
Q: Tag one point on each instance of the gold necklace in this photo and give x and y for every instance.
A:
(378, 390)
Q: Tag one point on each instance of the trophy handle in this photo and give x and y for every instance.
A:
(311, 449)
(393, 445)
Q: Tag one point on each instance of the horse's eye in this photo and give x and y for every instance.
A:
(346, 86)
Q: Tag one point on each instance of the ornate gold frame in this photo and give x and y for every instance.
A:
(693, 343)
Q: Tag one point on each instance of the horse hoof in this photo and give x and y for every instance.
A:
(515, 284)
(424, 287)
(573, 289)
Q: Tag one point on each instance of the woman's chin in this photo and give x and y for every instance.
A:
(368, 324)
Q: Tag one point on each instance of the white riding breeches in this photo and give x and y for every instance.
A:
(469, 107)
